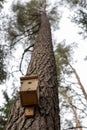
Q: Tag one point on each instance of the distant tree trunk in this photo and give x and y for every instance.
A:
(43, 64)
(79, 82)
(77, 121)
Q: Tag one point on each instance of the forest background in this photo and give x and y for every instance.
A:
(67, 33)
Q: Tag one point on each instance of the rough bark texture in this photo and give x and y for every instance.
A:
(43, 64)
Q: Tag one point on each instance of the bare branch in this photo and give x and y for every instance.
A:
(79, 82)
(83, 111)
(26, 50)
(73, 128)
(22, 34)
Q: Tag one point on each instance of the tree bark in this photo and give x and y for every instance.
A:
(43, 64)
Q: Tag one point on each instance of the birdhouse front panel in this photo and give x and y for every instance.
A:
(29, 91)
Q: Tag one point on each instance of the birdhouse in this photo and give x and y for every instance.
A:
(29, 90)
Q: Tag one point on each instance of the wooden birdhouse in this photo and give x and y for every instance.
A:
(29, 90)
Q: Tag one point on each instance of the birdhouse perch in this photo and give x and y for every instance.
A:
(29, 111)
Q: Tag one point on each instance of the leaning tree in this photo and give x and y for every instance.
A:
(42, 63)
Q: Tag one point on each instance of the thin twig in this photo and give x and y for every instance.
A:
(75, 127)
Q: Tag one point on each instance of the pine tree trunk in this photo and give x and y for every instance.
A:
(43, 64)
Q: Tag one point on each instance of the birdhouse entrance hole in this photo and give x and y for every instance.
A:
(29, 82)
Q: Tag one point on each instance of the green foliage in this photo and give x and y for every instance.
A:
(3, 72)
(80, 18)
(63, 55)
(75, 3)
(26, 22)
(4, 110)
(70, 90)
(1, 3)
(80, 14)
(54, 16)
(27, 15)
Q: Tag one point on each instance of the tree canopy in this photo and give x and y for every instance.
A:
(80, 14)
(21, 31)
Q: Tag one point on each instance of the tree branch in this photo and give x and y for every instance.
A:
(73, 128)
(79, 82)
(28, 35)
(83, 111)
(26, 50)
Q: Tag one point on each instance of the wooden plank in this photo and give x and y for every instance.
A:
(29, 77)
(29, 111)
